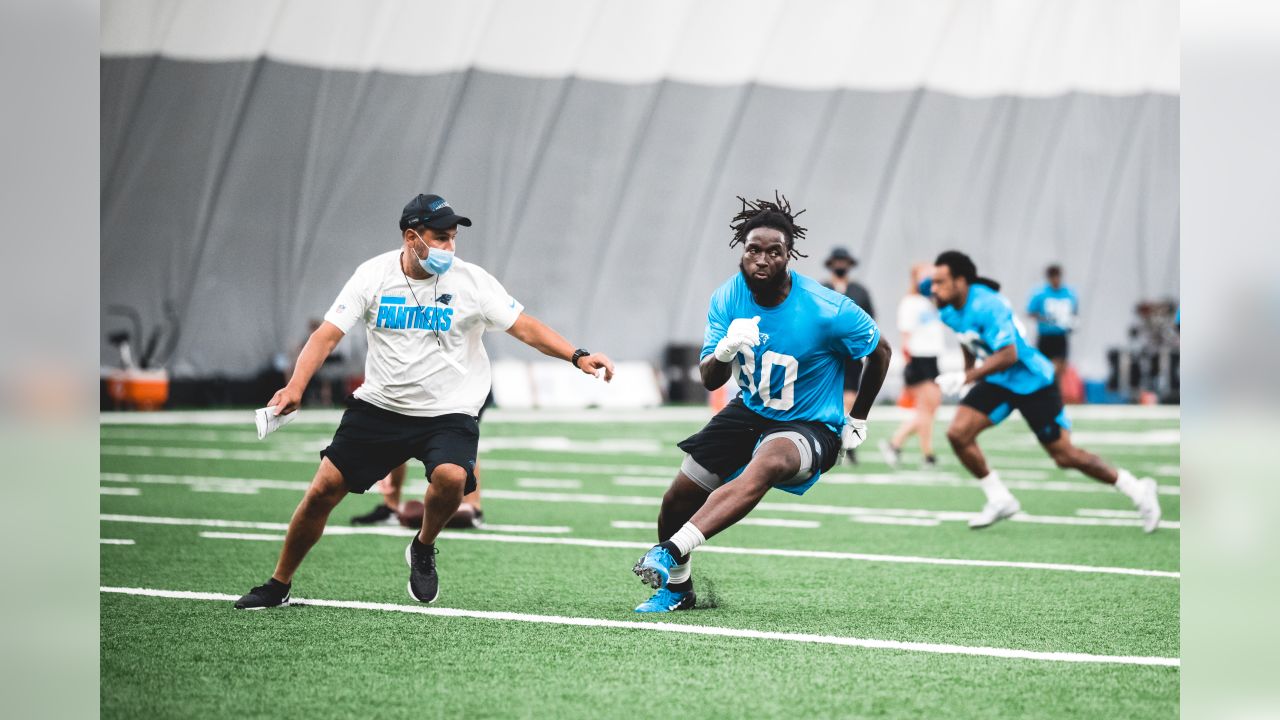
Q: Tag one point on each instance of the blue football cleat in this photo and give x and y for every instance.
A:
(666, 600)
(655, 567)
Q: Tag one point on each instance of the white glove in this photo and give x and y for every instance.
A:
(741, 333)
(853, 434)
(952, 383)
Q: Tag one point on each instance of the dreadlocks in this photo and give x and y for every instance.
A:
(764, 213)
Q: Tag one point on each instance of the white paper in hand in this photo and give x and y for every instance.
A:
(268, 421)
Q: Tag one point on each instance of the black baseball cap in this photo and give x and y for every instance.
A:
(432, 211)
(839, 253)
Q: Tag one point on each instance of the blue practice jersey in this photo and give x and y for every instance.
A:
(985, 325)
(797, 370)
(1056, 309)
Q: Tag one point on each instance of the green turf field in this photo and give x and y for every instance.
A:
(861, 559)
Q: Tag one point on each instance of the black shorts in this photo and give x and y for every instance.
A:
(1054, 347)
(719, 451)
(920, 369)
(852, 375)
(1043, 409)
(371, 441)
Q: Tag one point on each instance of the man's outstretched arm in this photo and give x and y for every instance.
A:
(539, 336)
(877, 366)
(319, 345)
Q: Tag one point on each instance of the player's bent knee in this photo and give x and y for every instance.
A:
(449, 477)
(777, 467)
(328, 485)
(684, 490)
(959, 437)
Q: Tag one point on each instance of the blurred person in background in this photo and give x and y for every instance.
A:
(1055, 308)
(841, 264)
(922, 342)
(330, 375)
(1012, 376)
(427, 374)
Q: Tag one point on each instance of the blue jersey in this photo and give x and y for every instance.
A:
(986, 324)
(797, 370)
(1056, 309)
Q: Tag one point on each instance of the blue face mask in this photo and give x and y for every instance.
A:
(437, 261)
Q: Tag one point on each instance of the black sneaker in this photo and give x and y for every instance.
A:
(381, 515)
(424, 583)
(273, 594)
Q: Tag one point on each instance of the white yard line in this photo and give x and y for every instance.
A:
(541, 529)
(206, 481)
(549, 483)
(759, 522)
(661, 475)
(594, 416)
(114, 541)
(705, 630)
(809, 508)
(212, 535)
(1089, 512)
(630, 545)
(224, 489)
(952, 480)
(248, 485)
(119, 491)
(883, 520)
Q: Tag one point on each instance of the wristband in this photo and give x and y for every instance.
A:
(578, 355)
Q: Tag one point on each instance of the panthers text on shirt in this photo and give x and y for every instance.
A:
(425, 354)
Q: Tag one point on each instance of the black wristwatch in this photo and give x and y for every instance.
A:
(578, 355)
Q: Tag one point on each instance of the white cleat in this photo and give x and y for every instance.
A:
(891, 457)
(1149, 505)
(995, 511)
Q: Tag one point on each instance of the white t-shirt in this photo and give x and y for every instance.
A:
(425, 354)
(918, 317)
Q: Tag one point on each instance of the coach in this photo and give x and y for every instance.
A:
(426, 376)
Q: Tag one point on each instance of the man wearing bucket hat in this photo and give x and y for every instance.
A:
(424, 312)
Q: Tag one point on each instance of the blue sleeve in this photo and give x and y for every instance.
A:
(1036, 306)
(853, 332)
(997, 328)
(717, 324)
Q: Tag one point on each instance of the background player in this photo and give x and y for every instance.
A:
(426, 376)
(841, 264)
(922, 343)
(1012, 376)
(785, 339)
(1055, 308)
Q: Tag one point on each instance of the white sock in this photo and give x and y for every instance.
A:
(681, 573)
(993, 488)
(687, 538)
(1128, 484)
